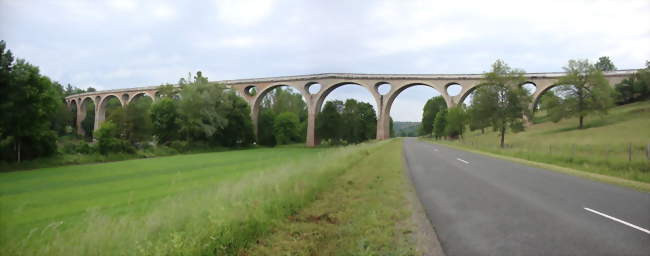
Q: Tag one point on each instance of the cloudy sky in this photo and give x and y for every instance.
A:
(129, 43)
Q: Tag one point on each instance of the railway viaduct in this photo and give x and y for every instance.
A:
(254, 90)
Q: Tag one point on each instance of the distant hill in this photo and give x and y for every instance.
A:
(406, 129)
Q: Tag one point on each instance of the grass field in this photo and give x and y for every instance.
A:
(202, 204)
(603, 147)
(363, 213)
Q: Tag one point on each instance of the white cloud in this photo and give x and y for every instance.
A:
(243, 12)
(123, 5)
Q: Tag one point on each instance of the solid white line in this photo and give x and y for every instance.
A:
(462, 160)
(619, 220)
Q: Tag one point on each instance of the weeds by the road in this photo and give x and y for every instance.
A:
(363, 213)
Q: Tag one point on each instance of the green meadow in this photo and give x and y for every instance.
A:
(615, 144)
(210, 203)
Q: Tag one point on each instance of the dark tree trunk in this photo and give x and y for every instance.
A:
(581, 121)
(18, 150)
(483, 130)
(503, 135)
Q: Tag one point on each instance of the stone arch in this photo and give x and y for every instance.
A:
(81, 112)
(537, 96)
(467, 90)
(393, 94)
(324, 92)
(256, 100)
(139, 94)
(100, 110)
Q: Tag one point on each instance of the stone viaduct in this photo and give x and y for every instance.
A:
(254, 90)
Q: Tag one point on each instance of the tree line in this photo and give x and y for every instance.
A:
(501, 103)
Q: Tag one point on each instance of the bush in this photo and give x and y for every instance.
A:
(108, 140)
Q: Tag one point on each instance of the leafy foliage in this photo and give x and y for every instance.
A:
(605, 64)
(349, 122)
(285, 128)
(109, 141)
(584, 90)
(456, 122)
(635, 88)
(439, 124)
(431, 109)
(500, 100)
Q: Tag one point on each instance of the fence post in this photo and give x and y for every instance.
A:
(629, 153)
(647, 151)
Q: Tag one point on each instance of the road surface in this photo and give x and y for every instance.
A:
(480, 205)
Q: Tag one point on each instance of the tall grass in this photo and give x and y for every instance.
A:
(615, 144)
(218, 220)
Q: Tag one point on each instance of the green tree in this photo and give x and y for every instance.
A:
(134, 121)
(551, 103)
(584, 90)
(265, 122)
(439, 124)
(109, 141)
(29, 100)
(165, 120)
(239, 130)
(285, 128)
(429, 113)
(329, 121)
(605, 64)
(500, 100)
(202, 109)
(634, 88)
(88, 124)
(455, 122)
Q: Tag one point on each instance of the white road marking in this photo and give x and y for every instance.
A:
(462, 160)
(435, 149)
(619, 220)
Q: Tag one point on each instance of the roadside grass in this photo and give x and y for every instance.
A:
(201, 204)
(364, 212)
(602, 148)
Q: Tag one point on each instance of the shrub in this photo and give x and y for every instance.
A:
(109, 141)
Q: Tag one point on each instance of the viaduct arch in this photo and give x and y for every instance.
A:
(328, 82)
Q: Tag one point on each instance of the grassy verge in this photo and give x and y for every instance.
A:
(203, 204)
(612, 179)
(365, 212)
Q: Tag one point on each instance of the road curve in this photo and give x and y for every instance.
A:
(481, 205)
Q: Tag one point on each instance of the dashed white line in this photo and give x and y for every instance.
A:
(618, 220)
(435, 149)
(462, 160)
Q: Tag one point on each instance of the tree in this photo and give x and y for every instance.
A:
(330, 121)
(439, 124)
(634, 88)
(605, 64)
(134, 121)
(265, 122)
(88, 124)
(164, 117)
(584, 90)
(429, 113)
(202, 109)
(500, 100)
(551, 104)
(109, 141)
(239, 130)
(91, 89)
(455, 122)
(29, 100)
(285, 128)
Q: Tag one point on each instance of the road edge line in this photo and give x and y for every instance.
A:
(426, 237)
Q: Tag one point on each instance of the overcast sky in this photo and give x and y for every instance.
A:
(128, 43)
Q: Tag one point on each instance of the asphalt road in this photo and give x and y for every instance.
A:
(481, 205)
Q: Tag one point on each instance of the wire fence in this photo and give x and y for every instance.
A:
(619, 157)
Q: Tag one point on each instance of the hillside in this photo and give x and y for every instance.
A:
(406, 129)
(615, 144)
